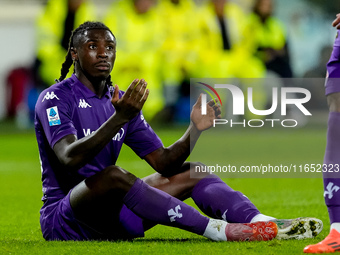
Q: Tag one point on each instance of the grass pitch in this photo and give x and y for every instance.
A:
(20, 193)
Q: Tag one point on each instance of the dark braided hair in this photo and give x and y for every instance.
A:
(88, 25)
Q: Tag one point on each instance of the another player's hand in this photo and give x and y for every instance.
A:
(130, 104)
(203, 122)
(336, 22)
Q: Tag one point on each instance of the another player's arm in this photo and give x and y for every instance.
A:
(336, 22)
(168, 161)
(74, 153)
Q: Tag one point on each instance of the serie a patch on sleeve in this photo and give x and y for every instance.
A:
(53, 116)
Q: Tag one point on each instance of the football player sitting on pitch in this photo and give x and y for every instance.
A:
(331, 177)
(81, 124)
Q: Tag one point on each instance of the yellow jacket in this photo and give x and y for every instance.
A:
(270, 34)
(49, 27)
(180, 49)
(139, 38)
(219, 63)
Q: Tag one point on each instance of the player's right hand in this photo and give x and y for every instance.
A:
(336, 22)
(131, 103)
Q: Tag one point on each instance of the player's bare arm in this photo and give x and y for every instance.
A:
(336, 22)
(168, 161)
(74, 153)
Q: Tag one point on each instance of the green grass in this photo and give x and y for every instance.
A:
(20, 193)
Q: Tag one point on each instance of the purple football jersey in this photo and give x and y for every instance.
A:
(333, 68)
(69, 107)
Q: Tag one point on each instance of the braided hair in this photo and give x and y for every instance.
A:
(88, 25)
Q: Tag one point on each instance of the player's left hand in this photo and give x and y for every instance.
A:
(336, 22)
(203, 122)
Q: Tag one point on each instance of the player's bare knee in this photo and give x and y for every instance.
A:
(333, 101)
(119, 178)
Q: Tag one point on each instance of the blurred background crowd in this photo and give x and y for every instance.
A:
(167, 42)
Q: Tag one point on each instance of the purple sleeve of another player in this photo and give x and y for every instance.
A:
(141, 138)
(54, 114)
(333, 69)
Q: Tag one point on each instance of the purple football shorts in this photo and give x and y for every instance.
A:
(58, 222)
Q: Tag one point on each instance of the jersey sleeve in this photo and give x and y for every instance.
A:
(141, 138)
(54, 112)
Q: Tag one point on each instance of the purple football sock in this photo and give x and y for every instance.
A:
(331, 163)
(155, 205)
(217, 200)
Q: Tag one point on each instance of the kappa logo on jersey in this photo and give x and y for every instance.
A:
(175, 213)
(53, 116)
(83, 104)
(331, 188)
(49, 96)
